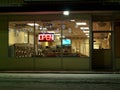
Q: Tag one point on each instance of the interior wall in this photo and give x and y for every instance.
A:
(12, 37)
(81, 46)
(16, 37)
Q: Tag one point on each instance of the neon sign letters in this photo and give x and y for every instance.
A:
(42, 37)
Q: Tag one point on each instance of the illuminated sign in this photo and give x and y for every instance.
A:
(66, 42)
(44, 37)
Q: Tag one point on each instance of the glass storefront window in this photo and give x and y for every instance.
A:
(77, 33)
(53, 38)
(21, 39)
(65, 38)
(48, 39)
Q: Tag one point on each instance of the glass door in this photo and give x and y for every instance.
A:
(102, 48)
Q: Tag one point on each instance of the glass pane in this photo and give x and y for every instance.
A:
(102, 40)
(62, 38)
(21, 39)
(48, 38)
(75, 39)
(101, 26)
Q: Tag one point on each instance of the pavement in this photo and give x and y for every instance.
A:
(59, 81)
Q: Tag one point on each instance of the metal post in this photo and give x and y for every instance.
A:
(90, 42)
(61, 46)
(34, 47)
(113, 48)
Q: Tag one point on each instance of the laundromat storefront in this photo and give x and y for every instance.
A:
(52, 41)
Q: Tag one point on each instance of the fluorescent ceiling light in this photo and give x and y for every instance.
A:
(58, 34)
(50, 31)
(72, 20)
(84, 28)
(44, 28)
(32, 24)
(81, 23)
(66, 13)
(85, 31)
(87, 34)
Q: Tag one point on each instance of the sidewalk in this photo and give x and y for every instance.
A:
(53, 81)
(65, 72)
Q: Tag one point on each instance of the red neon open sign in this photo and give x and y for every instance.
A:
(42, 37)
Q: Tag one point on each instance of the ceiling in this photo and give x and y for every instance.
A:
(69, 28)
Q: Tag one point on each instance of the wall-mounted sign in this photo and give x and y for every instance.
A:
(45, 37)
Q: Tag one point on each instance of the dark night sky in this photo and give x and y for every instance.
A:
(59, 5)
